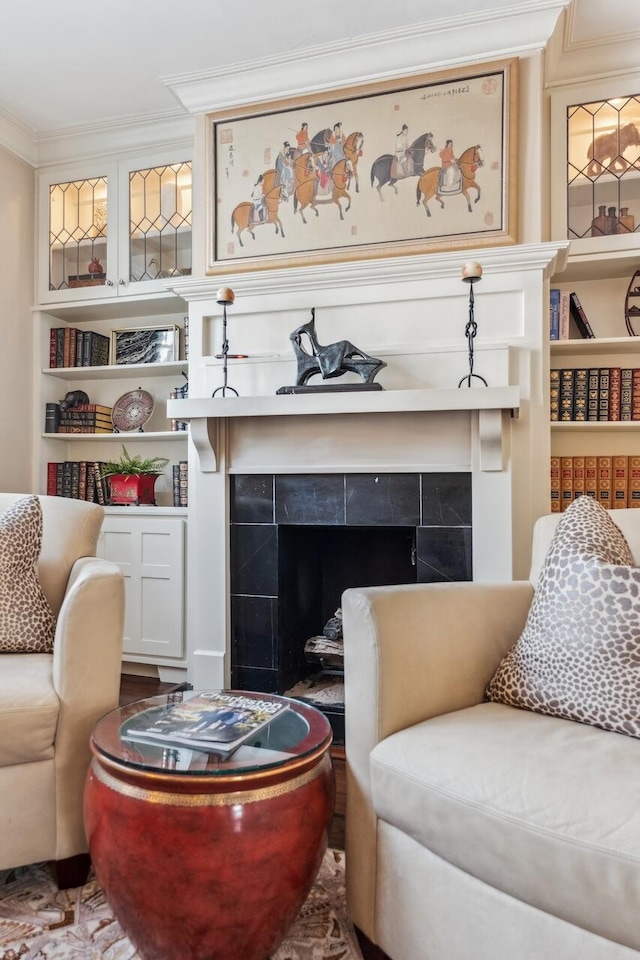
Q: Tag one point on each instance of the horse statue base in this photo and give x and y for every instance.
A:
(329, 388)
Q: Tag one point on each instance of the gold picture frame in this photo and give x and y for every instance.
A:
(159, 343)
(376, 170)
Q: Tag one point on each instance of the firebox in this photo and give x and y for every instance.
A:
(298, 541)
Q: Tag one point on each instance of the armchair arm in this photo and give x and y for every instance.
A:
(412, 652)
(87, 657)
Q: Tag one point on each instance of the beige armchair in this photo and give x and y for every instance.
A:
(477, 831)
(50, 702)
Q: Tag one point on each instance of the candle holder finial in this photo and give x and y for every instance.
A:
(224, 296)
(471, 274)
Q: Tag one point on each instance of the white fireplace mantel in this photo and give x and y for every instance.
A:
(490, 403)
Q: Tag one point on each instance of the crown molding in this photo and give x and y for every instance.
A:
(115, 137)
(17, 138)
(572, 61)
(402, 52)
(549, 257)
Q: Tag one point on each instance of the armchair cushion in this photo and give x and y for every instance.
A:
(542, 809)
(29, 709)
(27, 623)
(579, 653)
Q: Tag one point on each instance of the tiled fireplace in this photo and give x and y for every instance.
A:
(298, 541)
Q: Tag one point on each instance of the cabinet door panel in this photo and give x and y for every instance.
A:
(150, 553)
(77, 234)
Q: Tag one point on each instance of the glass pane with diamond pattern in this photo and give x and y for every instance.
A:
(78, 233)
(160, 222)
(603, 168)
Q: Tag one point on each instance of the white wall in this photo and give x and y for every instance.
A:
(17, 195)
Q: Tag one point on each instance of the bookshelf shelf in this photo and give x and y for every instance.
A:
(120, 437)
(130, 371)
(602, 426)
(597, 345)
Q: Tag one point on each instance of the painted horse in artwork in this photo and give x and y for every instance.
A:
(430, 183)
(387, 171)
(243, 217)
(351, 148)
(313, 187)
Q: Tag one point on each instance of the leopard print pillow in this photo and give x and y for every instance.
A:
(578, 655)
(27, 624)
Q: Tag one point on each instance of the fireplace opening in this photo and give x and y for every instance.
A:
(315, 566)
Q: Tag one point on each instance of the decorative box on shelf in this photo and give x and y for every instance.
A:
(87, 280)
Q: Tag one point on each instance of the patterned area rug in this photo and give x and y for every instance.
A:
(39, 922)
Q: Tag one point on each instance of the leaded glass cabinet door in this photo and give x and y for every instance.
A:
(77, 223)
(158, 214)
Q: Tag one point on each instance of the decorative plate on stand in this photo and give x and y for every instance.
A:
(132, 410)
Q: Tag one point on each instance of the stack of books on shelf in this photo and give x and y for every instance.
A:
(83, 418)
(71, 347)
(594, 394)
(79, 480)
(563, 308)
(180, 484)
(614, 481)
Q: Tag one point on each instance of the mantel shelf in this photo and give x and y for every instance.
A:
(489, 402)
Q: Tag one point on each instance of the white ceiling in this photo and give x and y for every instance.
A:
(76, 63)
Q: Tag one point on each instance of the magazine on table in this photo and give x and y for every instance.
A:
(219, 722)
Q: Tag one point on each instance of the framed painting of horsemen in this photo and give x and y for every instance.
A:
(404, 166)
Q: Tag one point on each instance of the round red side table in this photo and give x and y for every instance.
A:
(202, 857)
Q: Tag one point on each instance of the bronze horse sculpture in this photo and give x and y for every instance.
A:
(332, 359)
(468, 162)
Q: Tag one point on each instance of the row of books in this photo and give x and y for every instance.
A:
(79, 480)
(564, 307)
(614, 481)
(180, 472)
(71, 347)
(594, 393)
(83, 418)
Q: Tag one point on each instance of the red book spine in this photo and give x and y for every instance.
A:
(52, 474)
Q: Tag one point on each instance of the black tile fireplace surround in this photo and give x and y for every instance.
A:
(297, 541)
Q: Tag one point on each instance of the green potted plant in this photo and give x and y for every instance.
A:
(132, 478)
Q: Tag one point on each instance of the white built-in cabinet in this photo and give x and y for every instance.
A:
(601, 283)
(134, 217)
(599, 268)
(150, 551)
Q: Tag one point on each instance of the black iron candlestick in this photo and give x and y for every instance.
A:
(225, 296)
(471, 273)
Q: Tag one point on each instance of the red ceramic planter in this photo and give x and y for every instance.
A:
(209, 864)
(135, 488)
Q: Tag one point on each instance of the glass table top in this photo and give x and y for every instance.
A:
(294, 732)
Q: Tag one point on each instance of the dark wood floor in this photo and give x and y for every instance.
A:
(137, 688)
